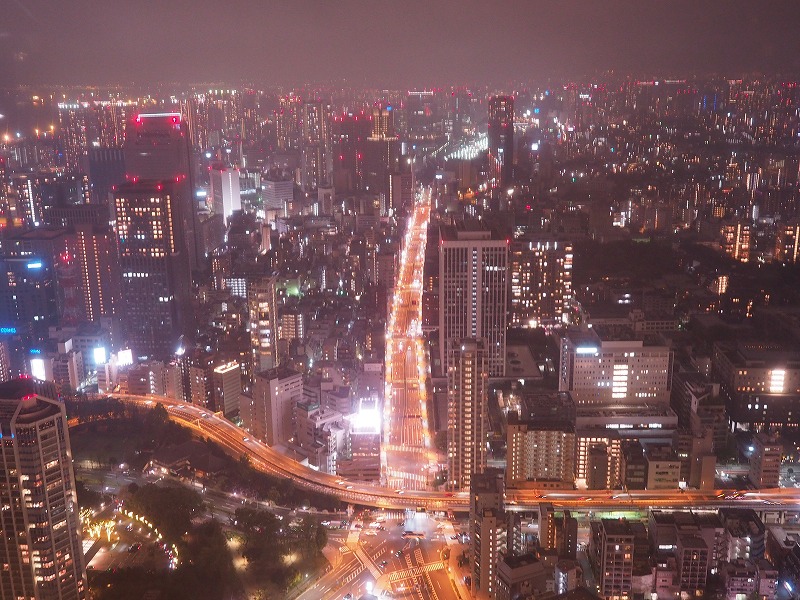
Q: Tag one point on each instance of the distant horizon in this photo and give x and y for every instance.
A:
(344, 84)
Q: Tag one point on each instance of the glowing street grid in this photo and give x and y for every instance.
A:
(407, 458)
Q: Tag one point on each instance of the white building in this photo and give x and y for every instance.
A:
(225, 193)
(473, 283)
(227, 381)
(275, 392)
(616, 372)
(467, 411)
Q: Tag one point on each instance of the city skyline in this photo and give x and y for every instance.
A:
(352, 42)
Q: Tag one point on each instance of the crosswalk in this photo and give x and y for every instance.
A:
(415, 571)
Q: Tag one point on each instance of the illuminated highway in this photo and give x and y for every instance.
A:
(232, 439)
(406, 453)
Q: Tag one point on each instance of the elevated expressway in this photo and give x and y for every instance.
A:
(235, 441)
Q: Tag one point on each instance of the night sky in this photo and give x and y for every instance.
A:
(387, 43)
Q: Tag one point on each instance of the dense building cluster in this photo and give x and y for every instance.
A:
(608, 293)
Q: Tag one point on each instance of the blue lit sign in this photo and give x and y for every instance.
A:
(8, 330)
(35, 265)
(389, 107)
(35, 351)
(536, 111)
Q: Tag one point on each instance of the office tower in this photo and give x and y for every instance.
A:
(541, 440)
(381, 157)
(275, 393)
(227, 382)
(263, 323)
(350, 133)
(73, 134)
(736, 241)
(420, 115)
(28, 293)
(760, 382)
(316, 148)
(787, 242)
(501, 142)
(541, 282)
(5, 360)
(156, 281)
(765, 462)
(610, 372)
(473, 290)
(42, 554)
(157, 148)
(225, 194)
(288, 122)
(110, 120)
(106, 169)
(34, 197)
(488, 531)
(467, 411)
(95, 255)
(277, 193)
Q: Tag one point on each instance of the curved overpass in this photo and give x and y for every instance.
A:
(236, 442)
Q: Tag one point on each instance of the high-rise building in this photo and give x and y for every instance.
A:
(541, 282)
(28, 293)
(350, 134)
(95, 255)
(488, 531)
(225, 194)
(541, 441)
(382, 155)
(263, 323)
(288, 122)
(227, 381)
(736, 241)
(613, 372)
(275, 393)
(106, 169)
(501, 142)
(612, 547)
(421, 115)
(156, 281)
(467, 411)
(277, 193)
(73, 133)
(316, 149)
(765, 464)
(473, 287)
(42, 552)
(760, 382)
(157, 147)
(787, 242)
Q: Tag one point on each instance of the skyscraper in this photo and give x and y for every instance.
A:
(156, 282)
(263, 323)
(382, 155)
(501, 141)
(41, 553)
(316, 148)
(467, 411)
(157, 148)
(225, 194)
(488, 531)
(473, 290)
(541, 282)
